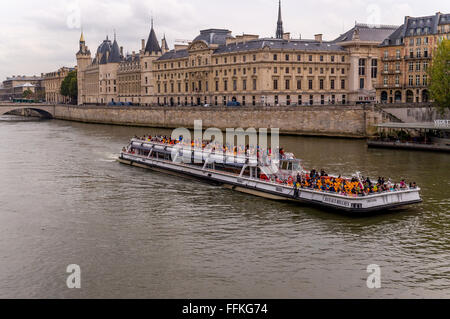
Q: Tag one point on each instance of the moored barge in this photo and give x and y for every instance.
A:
(282, 178)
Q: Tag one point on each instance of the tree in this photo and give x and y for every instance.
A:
(439, 74)
(27, 94)
(69, 86)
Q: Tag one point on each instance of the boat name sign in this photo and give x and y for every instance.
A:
(442, 123)
(336, 201)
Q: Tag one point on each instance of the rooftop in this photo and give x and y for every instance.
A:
(257, 44)
(214, 36)
(280, 44)
(367, 33)
(416, 26)
(26, 85)
(24, 78)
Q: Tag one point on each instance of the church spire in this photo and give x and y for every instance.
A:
(280, 31)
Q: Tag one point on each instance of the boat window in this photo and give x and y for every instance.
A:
(296, 166)
(284, 165)
(290, 167)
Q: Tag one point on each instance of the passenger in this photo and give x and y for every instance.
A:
(402, 184)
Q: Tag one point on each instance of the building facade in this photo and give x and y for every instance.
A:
(14, 87)
(405, 57)
(97, 78)
(129, 79)
(218, 69)
(52, 85)
(111, 77)
(365, 64)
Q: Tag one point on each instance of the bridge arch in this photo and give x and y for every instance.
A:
(44, 111)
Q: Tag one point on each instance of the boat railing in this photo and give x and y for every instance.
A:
(239, 158)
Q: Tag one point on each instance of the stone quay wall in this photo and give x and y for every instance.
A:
(336, 121)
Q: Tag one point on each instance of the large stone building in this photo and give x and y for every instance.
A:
(111, 77)
(52, 84)
(406, 56)
(97, 78)
(14, 87)
(217, 68)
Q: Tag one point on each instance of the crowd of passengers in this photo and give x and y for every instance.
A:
(215, 147)
(354, 187)
(314, 180)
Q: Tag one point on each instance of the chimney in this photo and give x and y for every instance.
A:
(180, 47)
(121, 51)
(286, 36)
(318, 37)
(143, 44)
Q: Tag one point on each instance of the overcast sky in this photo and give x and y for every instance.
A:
(41, 36)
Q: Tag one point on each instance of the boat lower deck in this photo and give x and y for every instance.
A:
(274, 191)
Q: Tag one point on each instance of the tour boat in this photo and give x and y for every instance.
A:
(266, 177)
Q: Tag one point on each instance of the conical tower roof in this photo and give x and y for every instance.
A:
(152, 42)
(114, 56)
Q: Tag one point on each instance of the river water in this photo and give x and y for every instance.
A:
(141, 234)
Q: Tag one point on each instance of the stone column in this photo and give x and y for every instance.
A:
(353, 78)
(369, 85)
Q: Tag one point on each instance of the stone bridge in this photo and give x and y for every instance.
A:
(46, 110)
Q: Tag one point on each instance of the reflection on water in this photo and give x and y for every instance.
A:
(142, 234)
(16, 118)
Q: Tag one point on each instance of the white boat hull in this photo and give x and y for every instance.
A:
(371, 203)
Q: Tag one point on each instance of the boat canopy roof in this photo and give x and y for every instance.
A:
(436, 126)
